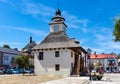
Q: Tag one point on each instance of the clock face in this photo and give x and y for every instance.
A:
(56, 27)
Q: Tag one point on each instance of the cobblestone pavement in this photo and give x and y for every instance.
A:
(70, 80)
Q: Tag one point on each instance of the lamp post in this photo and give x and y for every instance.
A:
(89, 52)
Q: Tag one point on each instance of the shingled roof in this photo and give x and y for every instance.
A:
(9, 50)
(28, 47)
(102, 56)
(57, 40)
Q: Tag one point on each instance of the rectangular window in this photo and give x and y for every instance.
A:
(71, 54)
(57, 67)
(6, 58)
(40, 55)
(56, 53)
(71, 65)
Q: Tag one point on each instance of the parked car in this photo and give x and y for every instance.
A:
(116, 71)
(15, 71)
(25, 71)
(1, 72)
(93, 71)
(12, 71)
(108, 71)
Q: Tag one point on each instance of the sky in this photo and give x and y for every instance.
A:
(89, 21)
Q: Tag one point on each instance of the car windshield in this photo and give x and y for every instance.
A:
(93, 70)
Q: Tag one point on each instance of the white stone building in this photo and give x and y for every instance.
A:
(107, 62)
(58, 54)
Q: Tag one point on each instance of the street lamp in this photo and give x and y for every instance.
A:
(89, 53)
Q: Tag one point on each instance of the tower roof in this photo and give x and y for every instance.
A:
(58, 19)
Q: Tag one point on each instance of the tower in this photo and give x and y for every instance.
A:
(57, 23)
(52, 56)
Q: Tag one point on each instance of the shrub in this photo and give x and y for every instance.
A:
(99, 77)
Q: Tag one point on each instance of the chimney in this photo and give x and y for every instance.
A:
(95, 54)
(30, 39)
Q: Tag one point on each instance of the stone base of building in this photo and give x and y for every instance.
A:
(53, 74)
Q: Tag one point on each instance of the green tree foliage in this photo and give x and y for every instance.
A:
(118, 56)
(6, 46)
(116, 31)
(22, 61)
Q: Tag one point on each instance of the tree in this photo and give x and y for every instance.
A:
(116, 31)
(6, 46)
(98, 65)
(118, 56)
(22, 61)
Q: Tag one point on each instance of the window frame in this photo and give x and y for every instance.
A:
(41, 56)
(57, 67)
(6, 58)
(57, 54)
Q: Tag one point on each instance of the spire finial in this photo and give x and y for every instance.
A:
(58, 12)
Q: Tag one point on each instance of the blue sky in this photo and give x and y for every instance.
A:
(89, 21)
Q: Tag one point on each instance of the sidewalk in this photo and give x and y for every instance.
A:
(104, 82)
(108, 78)
(70, 80)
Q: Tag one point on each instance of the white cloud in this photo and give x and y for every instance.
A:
(110, 45)
(94, 49)
(73, 21)
(104, 40)
(117, 17)
(11, 43)
(98, 50)
(101, 38)
(82, 41)
(28, 30)
(8, 2)
(36, 9)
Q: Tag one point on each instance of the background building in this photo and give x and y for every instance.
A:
(106, 62)
(27, 51)
(6, 57)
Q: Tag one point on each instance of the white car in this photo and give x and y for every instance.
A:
(108, 71)
(93, 71)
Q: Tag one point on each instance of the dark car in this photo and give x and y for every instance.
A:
(26, 71)
(12, 71)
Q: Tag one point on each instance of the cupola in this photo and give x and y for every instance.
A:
(57, 22)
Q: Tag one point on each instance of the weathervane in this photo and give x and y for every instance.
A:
(58, 4)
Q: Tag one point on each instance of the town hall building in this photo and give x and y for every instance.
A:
(58, 54)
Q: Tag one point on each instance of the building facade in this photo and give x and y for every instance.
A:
(106, 62)
(6, 57)
(58, 54)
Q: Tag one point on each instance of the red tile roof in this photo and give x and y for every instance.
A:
(102, 56)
